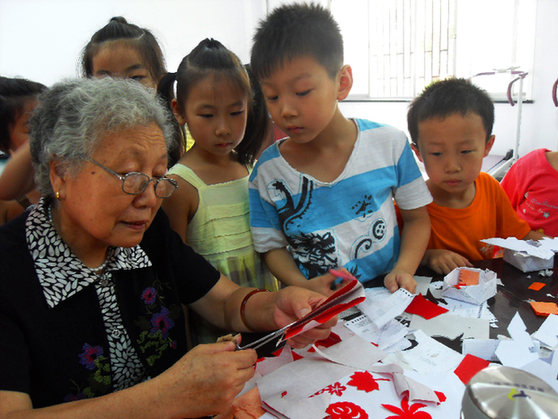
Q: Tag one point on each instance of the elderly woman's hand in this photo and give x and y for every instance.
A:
(294, 303)
(206, 380)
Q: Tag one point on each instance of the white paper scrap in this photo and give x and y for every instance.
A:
(482, 348)
(382, 309)
(451, 326)
(543, 249)
(422, 283)
(426, 355)
(548, 332)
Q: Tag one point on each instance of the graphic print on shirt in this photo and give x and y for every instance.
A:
(318, 251)
(315, 252)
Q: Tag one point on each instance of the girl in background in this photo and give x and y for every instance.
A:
(227, 117)
(18, 98)
(119, 49)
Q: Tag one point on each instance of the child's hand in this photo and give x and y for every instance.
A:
(324, 284)
(444, 261)
(399, 279)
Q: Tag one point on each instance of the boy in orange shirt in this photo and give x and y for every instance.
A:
(451, 130)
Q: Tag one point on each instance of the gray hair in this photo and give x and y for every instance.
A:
(75, 115)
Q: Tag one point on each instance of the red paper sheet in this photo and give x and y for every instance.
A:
(469, 367)
(424, 308)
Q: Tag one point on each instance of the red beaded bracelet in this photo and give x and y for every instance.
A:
(243, 306)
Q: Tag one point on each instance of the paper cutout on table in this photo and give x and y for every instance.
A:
(448, 392)
(354, 352)
(545, 369)
(469, 367)
(543, 249)
(520, 349)
(451, 326)
(300, 379)
(544, 308)
(382, 309)
(463, 309)
(365, 381)
(406, 411)
(426, 355)
(348, 296)
(481, 348)
(424, 308)
(548, 332)
(537, 286)
(467, 277)
(385, 337)
(343, 410)
(476, 294)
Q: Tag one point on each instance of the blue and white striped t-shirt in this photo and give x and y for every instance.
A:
(349, 222)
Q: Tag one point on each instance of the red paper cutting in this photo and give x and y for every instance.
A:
(365, 381)
(469, 367)
(345, 410)
(537, 286)
(406, 411)
(424, 308)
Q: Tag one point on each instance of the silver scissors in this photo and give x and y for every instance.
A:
(267, 338)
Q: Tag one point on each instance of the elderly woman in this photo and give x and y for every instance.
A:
(93, 278)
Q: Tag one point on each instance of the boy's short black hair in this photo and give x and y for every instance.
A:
(295, 30)
(446, 97)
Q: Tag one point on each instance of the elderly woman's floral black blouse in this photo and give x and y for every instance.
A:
(67, 333)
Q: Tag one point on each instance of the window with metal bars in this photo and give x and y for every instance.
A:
(397, 47)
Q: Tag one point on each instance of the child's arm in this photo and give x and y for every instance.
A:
(444, 261)
(534, 235)
(414, 239)
(181, 206)
(282, 265)
(17, 177)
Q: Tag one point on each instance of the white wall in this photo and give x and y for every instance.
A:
(41, 40)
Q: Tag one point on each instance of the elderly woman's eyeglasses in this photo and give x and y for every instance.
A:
(134, 183)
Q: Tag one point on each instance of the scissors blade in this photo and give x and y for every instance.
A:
(265, 339)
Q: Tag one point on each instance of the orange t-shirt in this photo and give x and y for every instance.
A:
(489, 215)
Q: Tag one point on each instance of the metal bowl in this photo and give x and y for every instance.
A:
(501, 392)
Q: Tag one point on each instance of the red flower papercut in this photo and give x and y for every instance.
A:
(336, 389)
(283, 394)
(345, 410)
(331, 340)
(365, 381)
(407, 412)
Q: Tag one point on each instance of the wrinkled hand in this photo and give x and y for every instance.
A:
(399, 279)
(206, 380)
(444, 261)
(294, 303)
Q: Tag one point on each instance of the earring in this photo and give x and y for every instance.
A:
(57, 194)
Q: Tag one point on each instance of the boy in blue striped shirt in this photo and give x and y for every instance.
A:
(323, 197)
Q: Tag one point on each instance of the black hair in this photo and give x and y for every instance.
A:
(446, 97)
(295, 30)
(14, 93)
(211, 58)
(140, 38)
